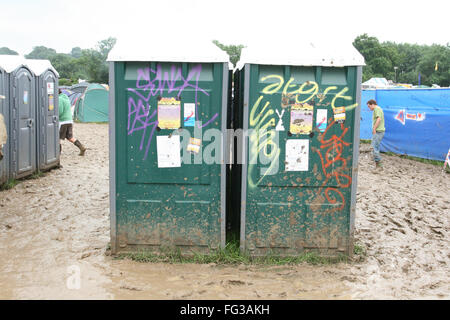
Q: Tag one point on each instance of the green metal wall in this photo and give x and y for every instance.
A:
(290, 211)
(179, 206)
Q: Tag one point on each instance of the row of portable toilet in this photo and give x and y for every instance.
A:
(29, 104)
(289, 189)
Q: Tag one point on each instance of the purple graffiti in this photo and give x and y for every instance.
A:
(151, 83)
(142, 120)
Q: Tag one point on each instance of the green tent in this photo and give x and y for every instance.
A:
(92, 106)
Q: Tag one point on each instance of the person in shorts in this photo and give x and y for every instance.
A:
(66, 123)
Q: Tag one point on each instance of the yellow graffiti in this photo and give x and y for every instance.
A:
(265, 140)
(312, 91)
(260, 124)
(328, 89)
(269, 89)
(254, 121)
(347, 98)
(261, 119)
(288, 84)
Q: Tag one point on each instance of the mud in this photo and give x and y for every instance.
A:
(59, 223)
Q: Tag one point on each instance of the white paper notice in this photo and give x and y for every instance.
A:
(50, 88)
(321, 119)
(168, 150)
(189, 114)
(297, 155)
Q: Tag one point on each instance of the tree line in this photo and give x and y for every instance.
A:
(404, 62)
(401, 62)
(87, 64)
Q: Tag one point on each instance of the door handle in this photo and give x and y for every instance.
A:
(55, 119)
(30, 123)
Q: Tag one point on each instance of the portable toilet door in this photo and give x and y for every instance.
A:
(22, 123)
(163, 191)
(300, 108)
(48, 121)
(47, 114)
(4, 163)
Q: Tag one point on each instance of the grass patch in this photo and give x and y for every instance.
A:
(38, 174)
(9, 184)
(359, 250)
(230, 255)
(365, 141)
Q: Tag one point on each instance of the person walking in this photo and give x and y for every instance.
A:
(378, 130)
(66, 123)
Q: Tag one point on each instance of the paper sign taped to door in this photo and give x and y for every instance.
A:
(339, 114)
(189, 114)
(51, 105)
(301, 119)
(169, 113)
(194, 145)
(321, 119)
(297, 155)
(50, 88)
(168, 149)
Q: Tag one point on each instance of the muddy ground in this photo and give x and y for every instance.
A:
(57, 225)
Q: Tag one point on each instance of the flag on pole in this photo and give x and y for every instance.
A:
(436, 66)
(419, 78)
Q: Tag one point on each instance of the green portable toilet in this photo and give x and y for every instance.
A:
(92, 105)
(161, 195)
(47, 115)
(299, 106)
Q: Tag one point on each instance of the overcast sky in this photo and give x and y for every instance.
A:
(62, 25)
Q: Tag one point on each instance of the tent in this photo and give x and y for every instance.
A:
(73, 96)
(375, 83)
(80, 87)
(91, 105)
